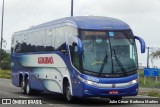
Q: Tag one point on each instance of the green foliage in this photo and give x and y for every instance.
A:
(5, 74)
(5, 65)
(155, 54)
(5, 60)
(155, 93)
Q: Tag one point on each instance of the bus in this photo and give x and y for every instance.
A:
(82, 56)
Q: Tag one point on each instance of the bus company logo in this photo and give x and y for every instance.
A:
(113, 85)
(45, 60)
(6, 101)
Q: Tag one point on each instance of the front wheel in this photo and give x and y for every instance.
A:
(67, 92)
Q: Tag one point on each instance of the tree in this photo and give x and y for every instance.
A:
(4, 59)
(155, 54)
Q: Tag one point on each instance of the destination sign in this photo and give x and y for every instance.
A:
(90, 33)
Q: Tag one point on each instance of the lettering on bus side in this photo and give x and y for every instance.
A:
(45, 60)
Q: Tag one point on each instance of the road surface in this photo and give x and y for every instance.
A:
(7, 90)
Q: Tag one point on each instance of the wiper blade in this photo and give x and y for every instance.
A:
(102, 67)
(119, 62)
(126, 35)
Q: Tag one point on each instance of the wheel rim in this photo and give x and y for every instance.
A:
(27, 88)
(68, 94)
(22, 86)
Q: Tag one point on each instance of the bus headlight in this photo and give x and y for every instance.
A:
(87, 81)
(91, 82)
(134, 81)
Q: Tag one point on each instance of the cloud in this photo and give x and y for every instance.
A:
(119, 7)
(142, 15)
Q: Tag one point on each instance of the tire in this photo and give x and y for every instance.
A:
(28, 89)
(23, 86)
(67, 92)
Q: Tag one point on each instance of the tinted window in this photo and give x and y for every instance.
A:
(49, 41)
(60, 39)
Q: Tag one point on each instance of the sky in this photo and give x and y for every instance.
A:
(143, 16)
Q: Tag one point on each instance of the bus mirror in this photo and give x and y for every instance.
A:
(142, 43)
(80, 46)
(76, 49)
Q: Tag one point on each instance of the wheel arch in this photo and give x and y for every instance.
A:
(66, 79)
(20, 78)
(26, 75)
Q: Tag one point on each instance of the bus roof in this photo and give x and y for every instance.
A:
(86, 22)
(91, 22)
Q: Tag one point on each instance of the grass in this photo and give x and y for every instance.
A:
(150, 82)
(155, 93)
(5, 74)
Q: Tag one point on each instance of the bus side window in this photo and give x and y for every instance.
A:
(50, 37)
(18, 44)
(40, 41)
(74, 53)
(24, 43)
(13, 44)
(75, 57)
(32, 43)
(60, 42)
(71, 33)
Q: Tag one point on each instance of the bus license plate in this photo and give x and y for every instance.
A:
(113, 92)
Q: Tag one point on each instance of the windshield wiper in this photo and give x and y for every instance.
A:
(119, 63)
(126, 35)
(102, 67)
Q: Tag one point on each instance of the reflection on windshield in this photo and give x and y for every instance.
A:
(98, 45)
(119, 62)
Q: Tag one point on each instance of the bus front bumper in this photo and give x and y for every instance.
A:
(92, 91)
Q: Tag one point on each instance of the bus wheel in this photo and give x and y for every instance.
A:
(67, 92)
(23, 86)
(28, 89)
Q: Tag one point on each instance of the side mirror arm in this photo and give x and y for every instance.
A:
(80, 46)
(142, 42)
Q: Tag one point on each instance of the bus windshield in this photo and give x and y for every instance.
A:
(108, 52)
